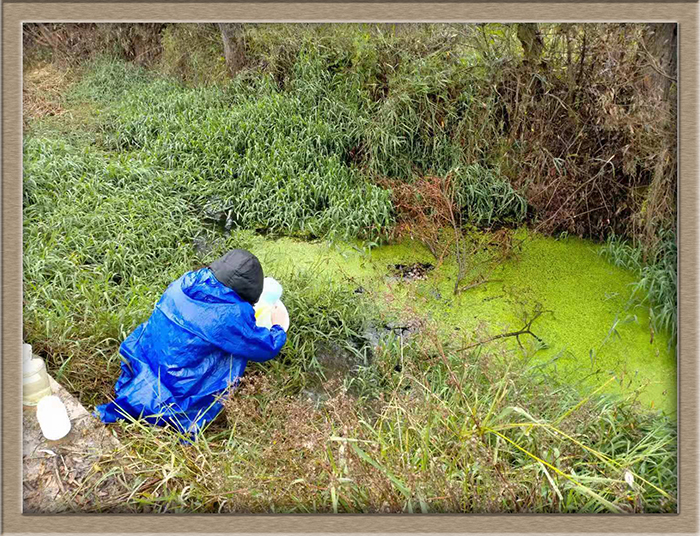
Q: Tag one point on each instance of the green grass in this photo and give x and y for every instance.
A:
(424, 428)
(265, 159)
(657, 286)
(486, 198)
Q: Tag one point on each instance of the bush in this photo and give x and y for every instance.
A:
(486, 198)
(417, 100)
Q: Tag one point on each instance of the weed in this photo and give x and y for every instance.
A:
(657, 269)
(448, 433)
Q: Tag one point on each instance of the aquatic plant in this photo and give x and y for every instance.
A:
(657, 269)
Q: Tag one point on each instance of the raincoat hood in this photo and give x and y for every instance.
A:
(242, 272)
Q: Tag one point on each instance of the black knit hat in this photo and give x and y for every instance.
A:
(242, 272)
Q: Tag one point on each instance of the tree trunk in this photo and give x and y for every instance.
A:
(532, 43)
(234, 46)
(660, 40)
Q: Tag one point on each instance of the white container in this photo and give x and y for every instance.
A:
(53, 418)
(35, 379)
(272, 291)
(281, 316)
(270, 297)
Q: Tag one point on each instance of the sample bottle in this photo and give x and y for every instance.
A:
(271, 294)
(35, 379)
(53, 418)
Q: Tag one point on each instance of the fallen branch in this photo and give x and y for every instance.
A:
(525, 330)
(479, 283)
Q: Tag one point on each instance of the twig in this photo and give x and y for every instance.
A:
(479, 283)
(500, 474)
(600, 172)
(58, 476)
(525, 330)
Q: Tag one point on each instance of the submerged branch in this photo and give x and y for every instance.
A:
(525, 330)
(479, 283)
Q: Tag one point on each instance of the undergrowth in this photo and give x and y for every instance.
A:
(260, 158)
(423, 428)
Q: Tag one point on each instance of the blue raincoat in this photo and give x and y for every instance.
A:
(195, 345)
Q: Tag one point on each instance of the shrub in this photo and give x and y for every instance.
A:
(486, 198)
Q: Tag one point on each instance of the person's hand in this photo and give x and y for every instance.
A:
(280, 317)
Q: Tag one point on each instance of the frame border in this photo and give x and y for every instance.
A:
(14, 12)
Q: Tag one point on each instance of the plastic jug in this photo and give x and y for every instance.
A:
(35, 379)
(53, 418)
(271, 294)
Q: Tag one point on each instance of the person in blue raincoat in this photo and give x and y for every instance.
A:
(194, 346)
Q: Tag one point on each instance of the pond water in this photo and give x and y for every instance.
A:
(589, 330)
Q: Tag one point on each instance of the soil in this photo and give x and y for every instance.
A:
(71, 474)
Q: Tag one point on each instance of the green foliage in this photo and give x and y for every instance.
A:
(485, 197)
(107, 80)
(271, 161)
(297, 160)
(326, 314)
(657, 287)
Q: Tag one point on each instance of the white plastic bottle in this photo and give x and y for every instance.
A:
(35, 379)
(53, 418)
(271, 294)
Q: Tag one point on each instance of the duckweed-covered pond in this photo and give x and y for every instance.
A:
(589, 330)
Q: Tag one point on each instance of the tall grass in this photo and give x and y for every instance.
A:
(268, 160)
(422, 429)
(486, 198)
(657, 270)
